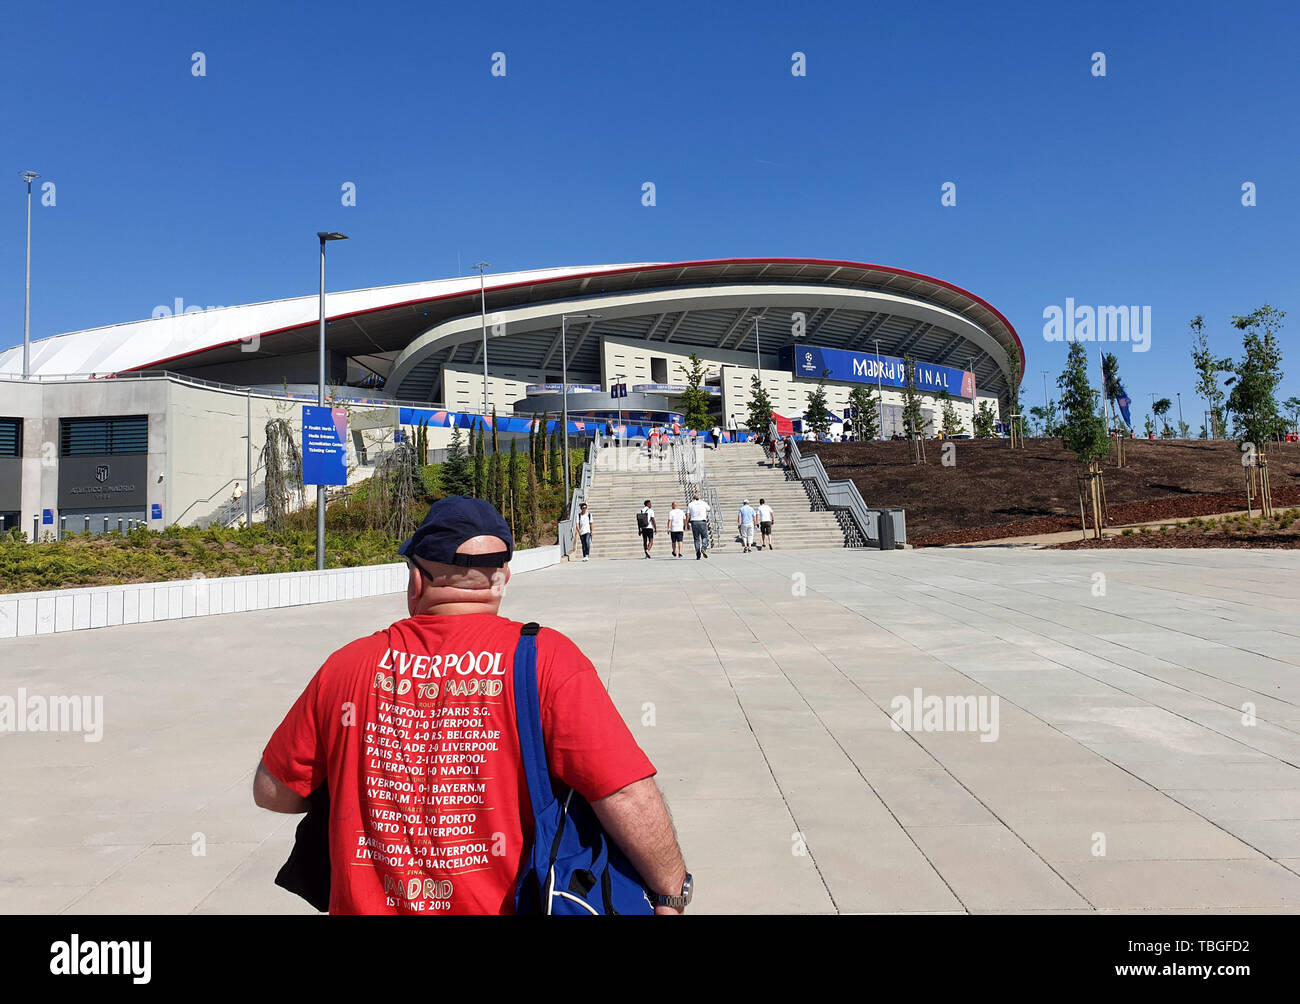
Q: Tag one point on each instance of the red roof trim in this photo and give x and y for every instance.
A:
(706, 263)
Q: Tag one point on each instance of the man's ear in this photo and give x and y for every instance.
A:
(414, 587)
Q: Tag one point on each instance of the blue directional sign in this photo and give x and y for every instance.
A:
(47, 517)
(155, 511)
(324, 456)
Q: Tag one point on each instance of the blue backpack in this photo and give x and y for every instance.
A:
(573, 868)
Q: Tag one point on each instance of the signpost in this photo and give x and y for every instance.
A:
(324, 455)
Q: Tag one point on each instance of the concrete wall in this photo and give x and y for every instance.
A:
(462, 386)
(51, 611)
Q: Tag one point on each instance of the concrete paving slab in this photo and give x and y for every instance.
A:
(768, 714)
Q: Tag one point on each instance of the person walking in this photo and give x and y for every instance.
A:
(359, 732)
(645, 521)
(765, 521)
(774, 448)
(698, 512)
(676, 529)
(717, 435)
(745, 524)
(584, 530)
(731, 426)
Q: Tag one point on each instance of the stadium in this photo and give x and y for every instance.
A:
(156, 420)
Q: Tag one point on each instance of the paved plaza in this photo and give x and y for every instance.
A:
(1141, 753)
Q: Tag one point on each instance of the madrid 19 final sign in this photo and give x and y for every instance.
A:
(809, 361)
(324, 455)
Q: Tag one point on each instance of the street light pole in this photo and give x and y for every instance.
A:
(482, 304)
(29, 177)
(564, 388)
(320, 393)
(758, 351)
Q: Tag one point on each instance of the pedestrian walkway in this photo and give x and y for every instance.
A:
(1128, 736)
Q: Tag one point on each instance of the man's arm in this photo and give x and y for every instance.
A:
(637, 819)
(269, 792)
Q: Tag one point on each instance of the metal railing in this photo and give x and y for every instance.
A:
(568, 526)
(692, 477)
(236, 508)
(841, 496)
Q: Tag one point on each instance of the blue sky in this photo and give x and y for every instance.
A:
(1123, 189)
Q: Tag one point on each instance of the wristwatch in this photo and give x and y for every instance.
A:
(676, 902)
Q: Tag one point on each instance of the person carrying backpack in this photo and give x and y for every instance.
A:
(645, 523)
(472, 843)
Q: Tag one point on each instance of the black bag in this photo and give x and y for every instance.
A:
(643, 520)
(307, 872)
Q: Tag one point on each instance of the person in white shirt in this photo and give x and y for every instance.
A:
(765, 521)
(717, 436)
(698, 511)
(676, 529)
(745, 524)
(584, 530)
(648, 530)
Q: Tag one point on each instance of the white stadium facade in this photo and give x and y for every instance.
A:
(156, 420)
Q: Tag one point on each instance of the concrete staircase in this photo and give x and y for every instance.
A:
(623, 479)
(739, 471)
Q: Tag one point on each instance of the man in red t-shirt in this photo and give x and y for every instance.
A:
(414, 730)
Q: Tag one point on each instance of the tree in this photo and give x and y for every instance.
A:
(556, 459)
(1046, 418)
(1253, 400)
(758, 410)
(865, 420)
(1013, 383)
(1110, 388)
(496, 447)
(457, 477)
(534, 514)
(985, 421)
(1149, 426)
(913, 419)
(480, 466)
(695, 399)
(952, 423)
(282, 461)
(816, 415)
(512, 485)
(1208, 367)
(1292, 407)
(1085, 431)
(1161, 408)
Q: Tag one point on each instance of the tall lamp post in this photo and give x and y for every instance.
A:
(29, 177)
(320, 393)
(564, 388)
(758, 351)
(482, 309)
(1179, 395)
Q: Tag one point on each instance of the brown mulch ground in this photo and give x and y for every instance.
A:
(993, 491)
(1283, 531)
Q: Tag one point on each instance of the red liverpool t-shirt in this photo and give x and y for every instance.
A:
(414, 728)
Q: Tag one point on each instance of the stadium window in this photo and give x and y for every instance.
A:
(117, 435)
(11, 437)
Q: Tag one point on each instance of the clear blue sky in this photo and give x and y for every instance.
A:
(1124, 189)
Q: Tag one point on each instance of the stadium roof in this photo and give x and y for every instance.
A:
(404, 334)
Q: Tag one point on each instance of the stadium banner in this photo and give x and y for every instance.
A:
(808, 361)
(324, 457)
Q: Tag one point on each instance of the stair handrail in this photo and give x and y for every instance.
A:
(567, 529)
(839, 494)
(225, 505)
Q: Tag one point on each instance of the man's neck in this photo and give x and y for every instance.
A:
(454, 609)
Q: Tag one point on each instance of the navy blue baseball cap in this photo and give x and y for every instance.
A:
(452, 521)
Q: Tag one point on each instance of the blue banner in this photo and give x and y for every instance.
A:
(1123, 402)
(324, 456)
(809, 361)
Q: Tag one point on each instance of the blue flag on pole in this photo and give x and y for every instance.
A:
(1123, 402)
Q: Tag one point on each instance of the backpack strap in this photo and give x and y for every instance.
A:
(528, 720)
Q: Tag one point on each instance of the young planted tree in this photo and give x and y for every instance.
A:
(1208, 367)
(695, 399)
(1014, 402)
(913, 419)
(456, 476)
(1161, 409)
(480, 466)
(986, 421)
(1110, 389)
(282, 460)
(865, 421)
(952, 423)
(1292, 408)
(1085, 432)
(533, 509)
(758, 410)
(1046, 419)
(496, 446)
(512, 489)
(1253, 398)
(816, 415)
